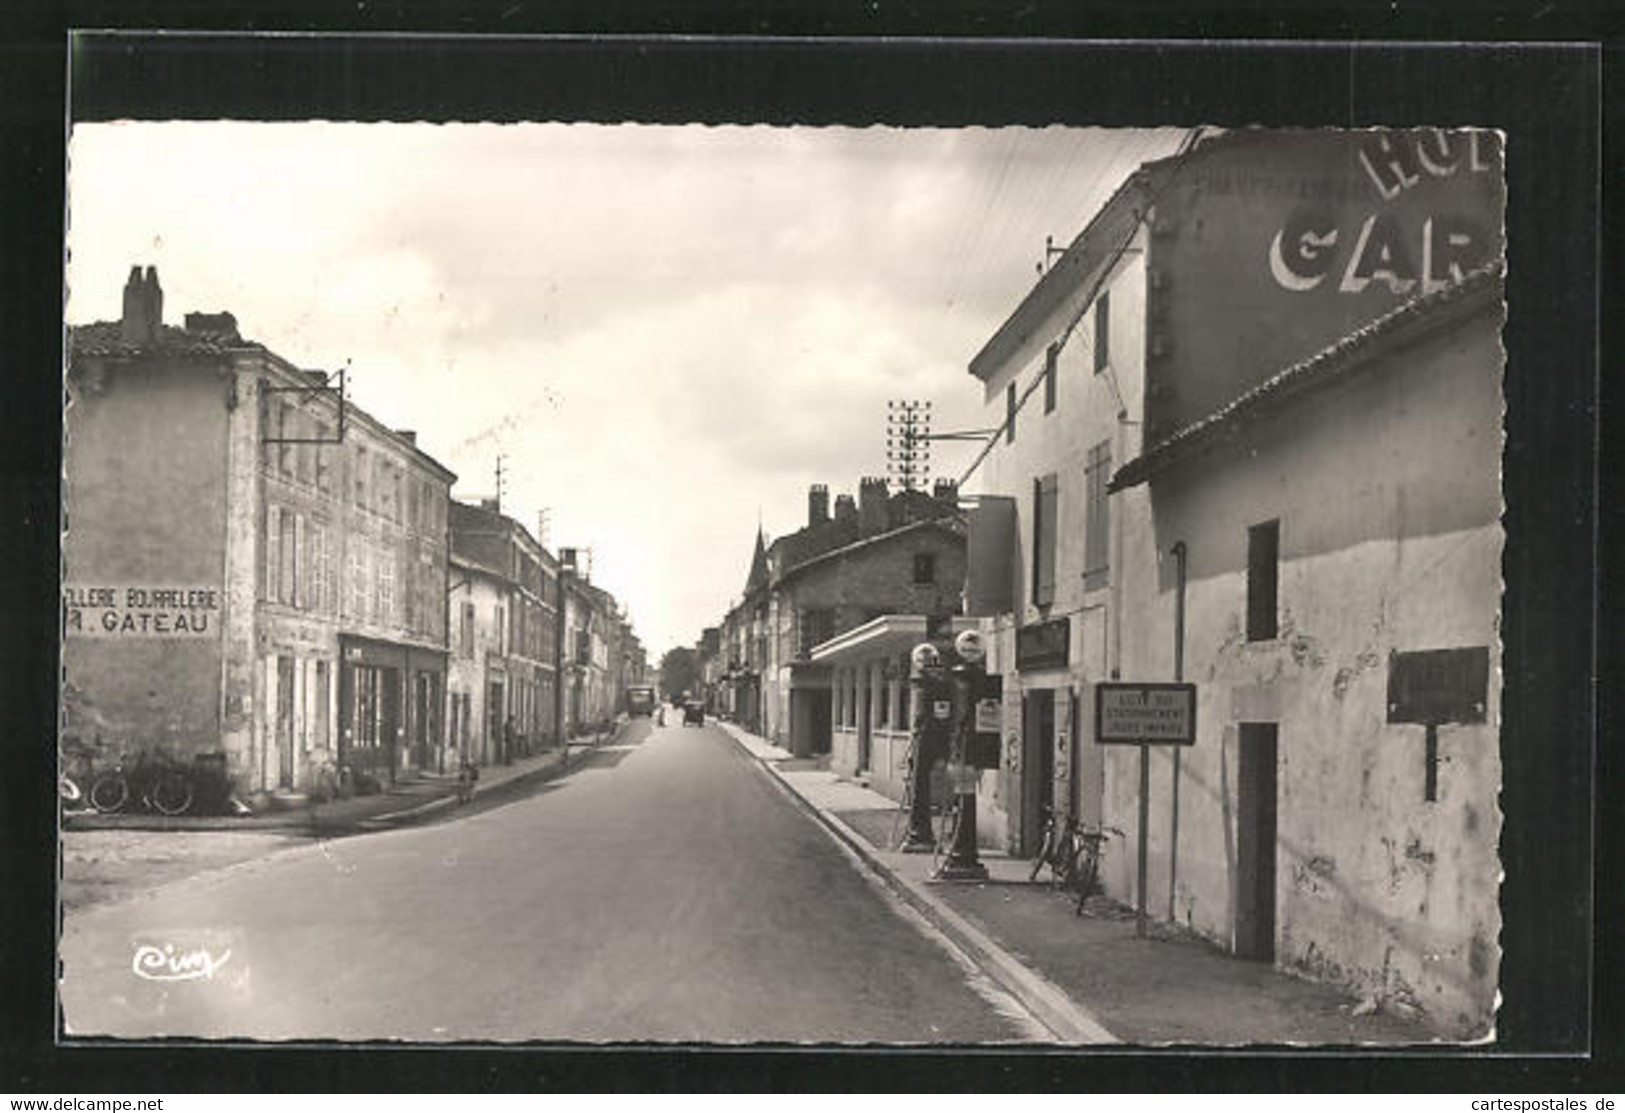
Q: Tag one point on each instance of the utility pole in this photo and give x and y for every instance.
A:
(499, 483)
(908, 443)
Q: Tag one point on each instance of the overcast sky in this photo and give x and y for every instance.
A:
(665, 331)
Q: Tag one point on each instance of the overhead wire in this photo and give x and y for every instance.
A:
(1085, 304)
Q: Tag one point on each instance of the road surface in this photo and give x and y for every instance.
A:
(666, 890)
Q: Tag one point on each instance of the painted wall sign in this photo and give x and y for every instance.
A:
(1269, 247)
(130, 611)
(1141, 714)
(1043, 645)
(1435, 686)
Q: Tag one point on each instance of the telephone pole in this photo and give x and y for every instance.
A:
(908, 444)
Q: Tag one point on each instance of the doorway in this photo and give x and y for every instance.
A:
(1038, 745)
(1255, 843)
(284, 721)
(865, 726)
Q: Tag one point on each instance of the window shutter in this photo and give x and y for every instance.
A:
(273, 550)
(299, 597)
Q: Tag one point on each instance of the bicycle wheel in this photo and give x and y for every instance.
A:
(1045, 852)
(171, 792)
(110, 793)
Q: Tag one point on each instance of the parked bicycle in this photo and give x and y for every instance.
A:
(1088, 843)
(153, 779)
(331, 782)
(76, 771)
(1056, 849)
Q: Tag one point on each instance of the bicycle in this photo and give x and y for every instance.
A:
(76, 770)
(1087, 844)
(1056, 848)
(154, 779)
(331, 782)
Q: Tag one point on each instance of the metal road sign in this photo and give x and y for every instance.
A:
(1145, 714)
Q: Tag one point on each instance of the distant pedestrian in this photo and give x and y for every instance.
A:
(467, 776)
(507, 740)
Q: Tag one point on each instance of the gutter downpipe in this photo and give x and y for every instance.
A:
(1179, 554)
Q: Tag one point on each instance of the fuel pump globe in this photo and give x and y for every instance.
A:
(970, 647)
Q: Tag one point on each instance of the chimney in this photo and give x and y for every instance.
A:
(846, 510)
(410, 436)
(143, 308)
(490, 504)
(817, 504)
(221, 326)
(871, 505)
(946, 491)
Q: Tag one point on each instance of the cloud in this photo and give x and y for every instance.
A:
(666, 332)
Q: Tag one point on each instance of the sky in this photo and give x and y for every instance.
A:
(667, 333)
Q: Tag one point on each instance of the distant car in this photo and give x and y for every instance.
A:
(694, 712)
(640, 700)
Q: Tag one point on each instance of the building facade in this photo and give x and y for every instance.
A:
(505, 605)
(251, 565)
(1276, 358)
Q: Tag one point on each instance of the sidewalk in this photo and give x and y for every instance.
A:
(408, 801)
(1090, 979)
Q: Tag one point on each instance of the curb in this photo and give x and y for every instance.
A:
(1070, 1022)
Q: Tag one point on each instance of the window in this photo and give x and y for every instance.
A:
(925, 568)
(324, 468)
(1051, 358)
(1097, 526)
(360, 592)
(273, 553)
(502, 630)
(285, 428)
(1044, 513)
(1103, 320)
(466, 633)
(304, 454)
(1010, 414)
(319, 596)
(362, 472)
(904, 690)
(1263, 565)
(285, 535)
(816, 627)
(386, 588)
(883, 698)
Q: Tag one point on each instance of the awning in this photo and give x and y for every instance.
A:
(885, 636)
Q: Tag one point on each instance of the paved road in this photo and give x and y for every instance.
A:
(666, 890)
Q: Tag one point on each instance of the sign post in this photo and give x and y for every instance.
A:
(1145, 715)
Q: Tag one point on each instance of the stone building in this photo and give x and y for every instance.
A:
(504, 604)
(1266, 381)
(251, 564)
(904, 554)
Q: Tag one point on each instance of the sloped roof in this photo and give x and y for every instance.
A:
(1417, 317)
(953, 524)
(106, 338)
(758, 565)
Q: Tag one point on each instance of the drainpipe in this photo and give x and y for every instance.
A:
(1178, 552)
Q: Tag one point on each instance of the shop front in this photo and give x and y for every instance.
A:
(390, 707)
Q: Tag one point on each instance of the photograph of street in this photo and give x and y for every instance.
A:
(620, 584)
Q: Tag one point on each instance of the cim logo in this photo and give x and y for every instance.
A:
(1323, 248)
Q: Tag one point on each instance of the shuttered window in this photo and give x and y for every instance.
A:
(1097, 526)
(1045, 504)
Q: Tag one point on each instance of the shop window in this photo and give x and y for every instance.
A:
(1263, 569)
(1097, 524)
